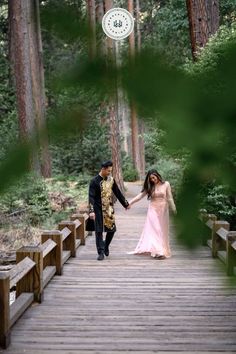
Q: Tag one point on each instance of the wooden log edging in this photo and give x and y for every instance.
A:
(221, 241)
(36, 265)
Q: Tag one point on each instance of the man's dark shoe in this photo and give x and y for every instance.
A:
(100, 257)
(106, 252)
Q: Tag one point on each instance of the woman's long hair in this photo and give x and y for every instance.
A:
(148, 186)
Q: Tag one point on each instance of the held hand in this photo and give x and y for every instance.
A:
(92, 216)
(128, 207)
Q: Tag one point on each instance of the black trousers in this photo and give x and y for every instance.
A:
(101, 245)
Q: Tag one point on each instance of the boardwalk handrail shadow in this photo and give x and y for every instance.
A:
(35, 267)
(221, 241)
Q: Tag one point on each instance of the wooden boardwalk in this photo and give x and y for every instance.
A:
(132, 304)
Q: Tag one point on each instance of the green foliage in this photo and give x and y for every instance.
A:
(96, 147)
(171, 170)
(170, 165)
(219, 200)
(198, 115)
(28, 198)
(35, 201)
(82, 153)
(227, 11)
(66, 193)
(155, 143)
(9, 133)
(70, 185)
(8, 119)
(214, 52)
(130, 174)
(165, 27)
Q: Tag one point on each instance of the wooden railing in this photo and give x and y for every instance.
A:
(35, 267)
(221, 241)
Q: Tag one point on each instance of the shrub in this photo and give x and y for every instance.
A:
(29, 198)
(130, 174)
(219, 200)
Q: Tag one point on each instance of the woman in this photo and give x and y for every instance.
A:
(155, 235)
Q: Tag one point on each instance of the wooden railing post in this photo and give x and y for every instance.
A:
(230, 252)
(33, 281)
(85, 210)
(4, 310)
(56, 255)
(209, 220)
(70, 242)
(81, 230)
(216, 241)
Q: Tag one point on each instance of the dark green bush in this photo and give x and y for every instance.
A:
(130, 174)
(219, 200)
(29, 199)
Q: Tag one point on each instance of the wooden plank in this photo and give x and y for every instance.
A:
(222, 232)
(48, 273)
(65, 233)
(222, 256)
(80, 231)
(20, 270)
(210, 223)
(56, 256)
(77, 243)
(230, 252)
(70, 241)
(77, 223)
(219, 232)
(4, 309)
(209, 243)
(33, 280)
(19, 306)
(47, 247)
(65, 256)
(233, 245)
(115, 351)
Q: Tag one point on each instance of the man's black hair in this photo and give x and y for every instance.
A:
(107, 164)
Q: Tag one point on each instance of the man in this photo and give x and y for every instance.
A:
(101, 208)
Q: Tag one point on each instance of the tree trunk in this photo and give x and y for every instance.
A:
(115, 145)
(20, 58)
(113, 119)
(137, 10)
(141, 123)
(213, 10)
(38, 85)
(101, 45)
(133, 112)
(92, 28)
(122, 108)
(109, 41)
(99, 10)
(101, 50)
(203, 22)
(27, 64)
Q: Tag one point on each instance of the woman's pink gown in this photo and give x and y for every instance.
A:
(155, 235)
